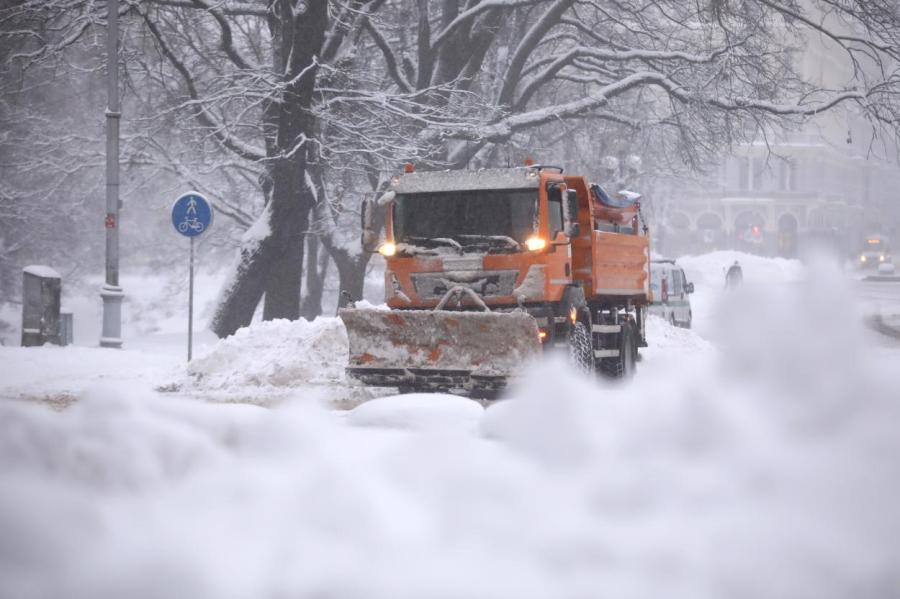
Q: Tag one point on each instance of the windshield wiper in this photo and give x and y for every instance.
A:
(501, 238)
(438, 240)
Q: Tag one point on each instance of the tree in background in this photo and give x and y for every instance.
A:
(287, 111)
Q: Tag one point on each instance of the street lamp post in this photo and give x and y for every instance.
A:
(111, 292)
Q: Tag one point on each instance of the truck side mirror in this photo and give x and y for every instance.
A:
(369, 238)
(570, 213)
(689, 288)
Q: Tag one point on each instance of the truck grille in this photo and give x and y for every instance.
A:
(434, 285)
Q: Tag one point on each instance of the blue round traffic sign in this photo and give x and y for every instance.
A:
(191, 214)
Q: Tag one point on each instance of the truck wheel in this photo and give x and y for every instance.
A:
(581, 350)
(623, 366)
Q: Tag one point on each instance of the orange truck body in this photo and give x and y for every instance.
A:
(520, 300)
(610, 267)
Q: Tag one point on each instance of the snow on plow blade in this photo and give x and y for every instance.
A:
(441, 350)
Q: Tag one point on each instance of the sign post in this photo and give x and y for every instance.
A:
(191, 216)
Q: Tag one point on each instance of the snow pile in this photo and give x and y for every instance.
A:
(431, 412)
(765, 470)
(276, 353)
(664, 338)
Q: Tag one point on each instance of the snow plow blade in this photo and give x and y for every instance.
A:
(471, 352)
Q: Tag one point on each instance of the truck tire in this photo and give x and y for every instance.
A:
(623, 366)
(581, 349)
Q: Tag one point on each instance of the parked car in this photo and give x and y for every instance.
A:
(670, 293)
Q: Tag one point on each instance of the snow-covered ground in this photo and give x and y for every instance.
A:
(707, 272)
(760, 461)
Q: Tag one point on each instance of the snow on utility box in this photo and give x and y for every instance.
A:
(41, 286)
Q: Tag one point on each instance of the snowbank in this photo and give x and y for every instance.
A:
(274, 360)
(433, 412)
(762, 467)
(271, 357)
(665, 339)
(766, 469)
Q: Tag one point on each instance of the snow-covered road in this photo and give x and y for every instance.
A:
(882, 300)
(758, 460)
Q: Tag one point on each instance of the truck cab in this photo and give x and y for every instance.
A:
(517, 237)
(503, 233)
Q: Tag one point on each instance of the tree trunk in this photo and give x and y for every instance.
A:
(351, 264)
(316, 270)
(240, 298)
(290, 218)
(275, 265)
(351, 270)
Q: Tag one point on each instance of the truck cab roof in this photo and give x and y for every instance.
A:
(488, 178)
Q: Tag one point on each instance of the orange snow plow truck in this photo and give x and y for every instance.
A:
(486, 270)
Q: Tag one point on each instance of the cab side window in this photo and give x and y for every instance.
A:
(554, 207)
(677, 282)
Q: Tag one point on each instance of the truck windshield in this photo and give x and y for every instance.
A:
(496, 220)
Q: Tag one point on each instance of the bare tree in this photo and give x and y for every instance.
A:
(684, 79)
(299, 106)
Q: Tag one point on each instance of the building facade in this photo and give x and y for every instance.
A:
(787, 200)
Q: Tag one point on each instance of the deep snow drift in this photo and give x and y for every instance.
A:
(764, 467)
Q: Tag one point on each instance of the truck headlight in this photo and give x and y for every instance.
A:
(535, 244)
(862, 258)
(881, 258)
(387, 249)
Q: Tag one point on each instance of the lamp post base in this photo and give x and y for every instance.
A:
(112, 316)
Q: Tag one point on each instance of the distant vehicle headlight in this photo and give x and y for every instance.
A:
(862, 258)
(881, 258)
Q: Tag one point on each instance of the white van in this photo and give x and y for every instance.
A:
(670, 292)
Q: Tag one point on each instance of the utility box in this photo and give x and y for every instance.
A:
(41, 287)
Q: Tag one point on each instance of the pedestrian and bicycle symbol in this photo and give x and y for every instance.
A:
(191, 214)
